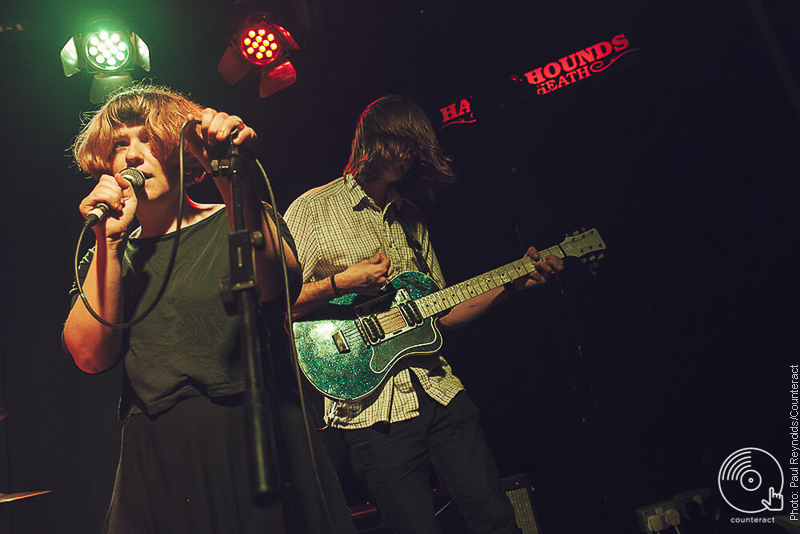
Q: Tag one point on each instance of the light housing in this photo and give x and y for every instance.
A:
(110, 55)
(260, 46)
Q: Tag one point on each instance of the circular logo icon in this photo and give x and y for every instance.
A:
(751, 481)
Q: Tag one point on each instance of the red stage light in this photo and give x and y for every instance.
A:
(260, 46)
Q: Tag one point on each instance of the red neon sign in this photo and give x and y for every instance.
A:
(578, 65)
(457, 113)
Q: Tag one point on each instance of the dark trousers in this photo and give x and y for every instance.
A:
(393, 460)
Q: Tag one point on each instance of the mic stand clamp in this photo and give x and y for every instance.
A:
(241, 289)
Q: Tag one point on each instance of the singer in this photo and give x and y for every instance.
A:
(184, 465)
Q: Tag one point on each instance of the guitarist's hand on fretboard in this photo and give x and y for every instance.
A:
(546, 268)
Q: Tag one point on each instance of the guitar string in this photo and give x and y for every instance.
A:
(392, 320)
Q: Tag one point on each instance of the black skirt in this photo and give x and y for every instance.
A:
(187, 471)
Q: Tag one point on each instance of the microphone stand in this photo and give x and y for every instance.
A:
(241, 287)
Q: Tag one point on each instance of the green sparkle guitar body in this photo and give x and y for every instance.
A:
(348, 347)
(354, 370)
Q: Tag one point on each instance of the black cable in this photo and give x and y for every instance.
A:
(170, 264)
(293, 345)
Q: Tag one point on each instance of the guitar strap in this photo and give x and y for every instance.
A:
(413, 243)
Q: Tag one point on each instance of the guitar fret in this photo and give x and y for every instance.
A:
(552, 251)
(451, 298)
(466, 292)
(447, 298)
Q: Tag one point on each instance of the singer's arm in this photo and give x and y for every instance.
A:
(95, 347)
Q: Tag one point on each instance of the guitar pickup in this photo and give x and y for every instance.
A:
(371, 329)
(340, 342)
(410, 313)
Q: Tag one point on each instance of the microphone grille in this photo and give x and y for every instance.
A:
(135, 177)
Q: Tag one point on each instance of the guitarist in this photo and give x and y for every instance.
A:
(352, 235)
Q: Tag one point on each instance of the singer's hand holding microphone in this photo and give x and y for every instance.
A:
(113, 193)
(214, 133)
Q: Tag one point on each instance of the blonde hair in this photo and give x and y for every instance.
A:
(161, 112)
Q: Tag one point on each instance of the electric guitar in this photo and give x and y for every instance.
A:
(347, 348)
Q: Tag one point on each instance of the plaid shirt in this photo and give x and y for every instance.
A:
(337, 225)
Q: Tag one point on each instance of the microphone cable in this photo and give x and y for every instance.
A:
(293, 347)
(170, 263)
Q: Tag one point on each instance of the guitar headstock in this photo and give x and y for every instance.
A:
(587, 245)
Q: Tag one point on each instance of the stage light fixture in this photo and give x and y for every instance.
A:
(110, 55)
(260, 46)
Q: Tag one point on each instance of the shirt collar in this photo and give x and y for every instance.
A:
(359, 199)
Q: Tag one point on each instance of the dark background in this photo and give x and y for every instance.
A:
(618, 387)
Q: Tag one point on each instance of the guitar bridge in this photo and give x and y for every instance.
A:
(340, 342)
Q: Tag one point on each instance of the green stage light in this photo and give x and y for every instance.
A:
(107, 51)
(110, 55)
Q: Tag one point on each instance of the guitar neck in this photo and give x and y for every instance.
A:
(454, 295)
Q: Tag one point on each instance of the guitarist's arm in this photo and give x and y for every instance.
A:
(366, 277)
(471, 309)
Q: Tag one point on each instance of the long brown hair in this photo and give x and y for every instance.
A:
(392, 129)
(161, 112)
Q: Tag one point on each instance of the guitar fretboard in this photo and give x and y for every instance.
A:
(452, 296)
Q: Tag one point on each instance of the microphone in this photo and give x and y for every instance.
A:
(134, 176)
